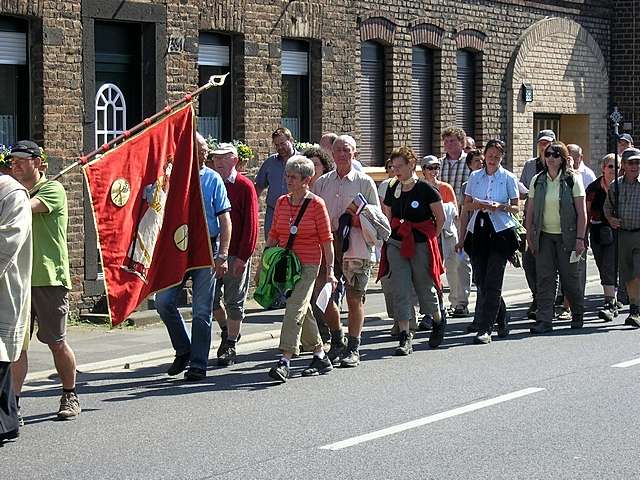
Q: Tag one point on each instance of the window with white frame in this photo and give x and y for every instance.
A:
(14, 79)
(111, 113)
(214, 58)
(295, 88)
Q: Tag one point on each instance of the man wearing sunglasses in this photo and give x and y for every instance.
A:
(624, 216)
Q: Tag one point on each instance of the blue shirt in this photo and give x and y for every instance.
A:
(271, 176)
(215, 198)
(500, 187)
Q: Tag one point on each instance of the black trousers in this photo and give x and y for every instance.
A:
(8, 407)
(489, 274)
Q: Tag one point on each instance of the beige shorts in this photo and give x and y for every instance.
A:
(356, 273)
(49, 310)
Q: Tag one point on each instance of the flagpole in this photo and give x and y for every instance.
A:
(214, 81)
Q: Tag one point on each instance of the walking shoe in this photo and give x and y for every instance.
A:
(503, 325)
(223, 340)
(69, 406)
(482, 339)
(405, 348)
(471, 328)
(280, 372)
(577, 322)
(541, 327)
(195, 374)
(634, 317)
(6, 436)
(352, 355)
(460, 311)
(179, 364)
(395, 330)
(318, 366)
(228, 355)
(337, 350)
(564, 313)
(20, 419)
(608, 312)
(425, 324)
(532, 310)
(437, 334)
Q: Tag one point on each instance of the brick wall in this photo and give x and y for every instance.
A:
(496, 30)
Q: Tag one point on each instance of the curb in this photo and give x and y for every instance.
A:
(128, 361)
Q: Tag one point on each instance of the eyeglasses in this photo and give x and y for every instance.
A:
(432, 167)
(552, 153)
(633, 161)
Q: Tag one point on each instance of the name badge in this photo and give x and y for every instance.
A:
(415, 204)
(293, 230)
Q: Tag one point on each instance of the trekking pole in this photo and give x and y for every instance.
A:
(616, 118)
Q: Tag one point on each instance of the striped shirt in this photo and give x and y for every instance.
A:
(313, 230)
(455, 173)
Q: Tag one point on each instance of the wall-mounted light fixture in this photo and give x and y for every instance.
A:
(527, 92)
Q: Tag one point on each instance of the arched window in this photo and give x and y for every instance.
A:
(372, 98)
(111, 113)
(466, 91)
(422, 101)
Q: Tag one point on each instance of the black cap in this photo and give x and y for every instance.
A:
(548, 135)
(25, 149)
(631, 154)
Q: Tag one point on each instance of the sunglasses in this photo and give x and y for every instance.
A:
(434, 167)
(610, 166)
(552, 153)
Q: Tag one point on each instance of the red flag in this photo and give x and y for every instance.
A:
(149, 213)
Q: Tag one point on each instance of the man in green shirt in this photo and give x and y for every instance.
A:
(50, 279)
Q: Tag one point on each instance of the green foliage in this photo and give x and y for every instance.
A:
(245, 152)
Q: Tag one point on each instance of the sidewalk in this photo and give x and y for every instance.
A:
(98, 347)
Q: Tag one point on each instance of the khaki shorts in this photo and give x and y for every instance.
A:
(49, 310)
(356, 273)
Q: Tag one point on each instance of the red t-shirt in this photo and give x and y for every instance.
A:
(313, 230)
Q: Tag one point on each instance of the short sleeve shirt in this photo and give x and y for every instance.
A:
(215, 198)
(501, 187)
(596, 196)
(551, 213)
(272, 177)
(50, 252)
(413, 206)
(314, 228)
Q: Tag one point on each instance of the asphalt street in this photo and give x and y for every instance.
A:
(557, 406)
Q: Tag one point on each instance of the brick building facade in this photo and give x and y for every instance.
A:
(390, 72)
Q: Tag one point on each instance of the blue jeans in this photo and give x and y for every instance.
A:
(199, 342)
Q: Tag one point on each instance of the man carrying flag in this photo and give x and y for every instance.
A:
(194, 350)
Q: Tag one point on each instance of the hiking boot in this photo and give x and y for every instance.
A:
(405, 348)
(460, 311)
(564, 313)
(532, 310)
(318, 366)
(503, 325)
(482, 338)
(577, 322)
(337, 350)
(195, 374)
(541, 327)
(224, 334)
(425, 324)
(395, 330)
(608, 312)
(228, 355)
(69, 406)
(179, 364)
(352, 355)
(280, 372)
(437, 334)
(634, 317)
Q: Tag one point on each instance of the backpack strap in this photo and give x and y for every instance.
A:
(294, 228)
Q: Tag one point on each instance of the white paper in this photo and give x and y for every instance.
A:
(323, 297)
(574, 257)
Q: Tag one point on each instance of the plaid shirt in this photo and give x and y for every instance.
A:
(629, 206)
(455, 174)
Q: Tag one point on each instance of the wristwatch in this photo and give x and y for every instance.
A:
(221, 256)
